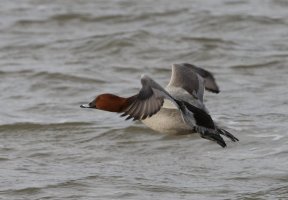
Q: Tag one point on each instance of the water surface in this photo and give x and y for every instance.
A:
(56, 55)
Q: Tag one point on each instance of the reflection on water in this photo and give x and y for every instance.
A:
(56, 55)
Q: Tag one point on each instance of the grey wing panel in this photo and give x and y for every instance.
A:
(184, 77)
(147, 102)
(210, 82)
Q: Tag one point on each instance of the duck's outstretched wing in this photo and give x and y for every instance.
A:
(148, 101)
(210, 82)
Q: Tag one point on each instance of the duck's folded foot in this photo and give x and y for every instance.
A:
(211, 135)
(227, 134)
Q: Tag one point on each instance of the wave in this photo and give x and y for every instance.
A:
(36, 126)
(256, 65)
(38, 189)
(19, 72)
(64, 77)
(83, 17)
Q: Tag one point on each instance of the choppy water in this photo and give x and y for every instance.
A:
(55, 55)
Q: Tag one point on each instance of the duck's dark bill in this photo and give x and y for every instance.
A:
(84, 106)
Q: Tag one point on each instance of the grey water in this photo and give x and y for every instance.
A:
(56, 55)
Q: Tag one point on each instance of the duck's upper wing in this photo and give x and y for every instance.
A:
(210, 82)
(184, 77)
(148, 101)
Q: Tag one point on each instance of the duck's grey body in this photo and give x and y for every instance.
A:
(168, 120)
(185, 85)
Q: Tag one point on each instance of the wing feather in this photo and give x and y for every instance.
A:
(148, 107)
(147, 102)
(210, 82)
(192, 79)
(137, 113)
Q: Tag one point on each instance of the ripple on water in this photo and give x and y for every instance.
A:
(39, 126)
(256, 65)
(57, 76)
(56, 54)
